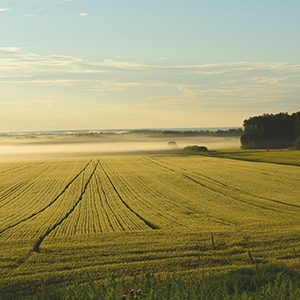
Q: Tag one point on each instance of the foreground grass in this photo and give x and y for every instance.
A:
(266, 282)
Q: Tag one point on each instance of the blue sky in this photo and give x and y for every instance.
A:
(91, 64)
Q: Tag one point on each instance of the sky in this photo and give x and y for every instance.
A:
(125, 64)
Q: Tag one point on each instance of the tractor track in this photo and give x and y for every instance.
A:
(36, 247)
(51, 203)
(108, 205)
(233, 189)
(152, 226)
(219, 192)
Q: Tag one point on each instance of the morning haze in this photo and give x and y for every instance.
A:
(30, 146)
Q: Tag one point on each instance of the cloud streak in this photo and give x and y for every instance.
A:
(13, 57)
(29, 104)
(153, 84)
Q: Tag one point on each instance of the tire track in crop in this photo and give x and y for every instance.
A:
(233, 189)
(228, 196)
(146, 204)
(13, 189)
(152, 226)
(247, 193)
(214, 219)
(214, 190)
(20, 168)
(30, 181)
(158, 193)
(107, 203)
(51, 203)
(36, 247)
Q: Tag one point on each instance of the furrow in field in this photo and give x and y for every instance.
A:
(36, 247)
(18, 169)
(234, 189)
(250, 194)
(149, 224)
(100, 216)
(219, 191)
(109, 218)
(101, 210)
(268, 181)
(51, 202)
(134, 191)
(36, 226)
(36, 184)
(30, 198)
(11, 190)
(214, 200)
(203, 198)
(158, 197)
(77, 222)
(116, 204)
(20, 186)
(144, 198)
(231, 197)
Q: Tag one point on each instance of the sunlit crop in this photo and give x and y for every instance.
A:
(72, 218)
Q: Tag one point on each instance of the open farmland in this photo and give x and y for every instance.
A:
(66, 219)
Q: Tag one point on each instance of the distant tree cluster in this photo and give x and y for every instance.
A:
(272, 131)
(237, 132)
(229, 132)
(196, 148)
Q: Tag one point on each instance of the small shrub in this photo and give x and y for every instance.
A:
(196, 148)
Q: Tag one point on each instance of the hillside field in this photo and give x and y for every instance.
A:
(71, 219)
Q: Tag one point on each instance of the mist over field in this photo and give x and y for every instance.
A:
(28, 147)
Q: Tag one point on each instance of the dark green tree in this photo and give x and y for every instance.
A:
(271, 131)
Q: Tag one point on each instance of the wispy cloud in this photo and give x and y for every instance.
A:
(268, 80)
(44, 82)
(12, 57)
(4, 9)
(113, 86)
(124, 65)
(160, 84)
(121, 86)
(42, 103)
(83, 14)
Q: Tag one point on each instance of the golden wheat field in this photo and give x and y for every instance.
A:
(72, 218)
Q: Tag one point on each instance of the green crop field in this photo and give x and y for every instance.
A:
(72, 219)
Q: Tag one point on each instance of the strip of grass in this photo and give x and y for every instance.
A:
(266, 282)
(285, 156)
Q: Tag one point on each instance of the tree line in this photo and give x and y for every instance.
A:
(272, 131)
(232, 132)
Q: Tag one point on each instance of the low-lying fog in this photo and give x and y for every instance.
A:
(74, 146)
